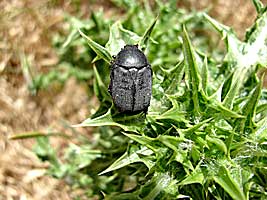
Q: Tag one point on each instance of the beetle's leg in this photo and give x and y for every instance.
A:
(145, 110)
(109, 89)
(110, 83)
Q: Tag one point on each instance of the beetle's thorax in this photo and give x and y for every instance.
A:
(131, 57)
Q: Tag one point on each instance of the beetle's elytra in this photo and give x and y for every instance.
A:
(131, 80)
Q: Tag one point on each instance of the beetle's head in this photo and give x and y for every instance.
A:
(130, 56)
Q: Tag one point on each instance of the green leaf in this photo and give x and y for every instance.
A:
(123, 196)
(249, 109)
(255, 49)
(34, 135)
(261, 108)
(226, 181)
(232, 43)
(234, 58)
(242, 57)
(226, 86)
(125, 3)
(76, 24)
(174, 113)
(195, 177)
(102, 94)
(192, 70)
(218, 143)
(180, 146)
(115, 42)
(144, 40)
(197, 126)
(149, 142)
(45, 152)
(226, 112)
(172, 78)
(238, 78)
(227, 34)
(119, 37)
(98, 49)
(99, 88)
(107, 120)
(259, 6)
(159, 184)
(205, 75)
(82, 156)
(261, 131)
(128, 158)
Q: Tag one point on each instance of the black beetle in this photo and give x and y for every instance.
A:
(131, 80)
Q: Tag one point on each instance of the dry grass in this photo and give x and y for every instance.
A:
(26, 27)
(238, 14)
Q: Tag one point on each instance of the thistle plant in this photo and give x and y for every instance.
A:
(205, 133)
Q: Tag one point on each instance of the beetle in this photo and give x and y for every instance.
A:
(131, 80)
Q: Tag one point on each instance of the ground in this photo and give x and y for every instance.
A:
(26, 28)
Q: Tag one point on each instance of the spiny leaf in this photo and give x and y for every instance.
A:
(255, 49)
(232, 43)
(227, 34)
(107, 120)
(249, 109)
(162, 182)
(233, 58)
(196, 176)
(165, 138)
(149, 142)
(205, 76)
(119, 37)
(192, 70)
(226, 86)
(172, 78)
(197, 126)
(223, 110)
(234, 87)
(227, 182)
(261, 108)
(261, 131)
(180, 147)
(98, 49)
(144, 40)
(259, 6)
(218, 143)
(174, 113)
(243, 57)
(128, 158)
(102, 94)
(172, 142)
(115, 42)
(222, 29)
(100, 89)
(75, 25)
